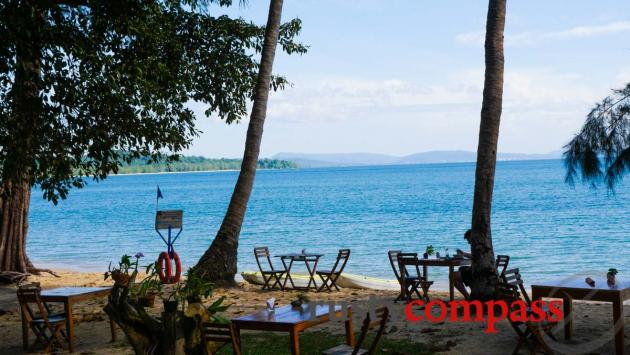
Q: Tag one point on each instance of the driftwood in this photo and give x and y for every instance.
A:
(173, 334)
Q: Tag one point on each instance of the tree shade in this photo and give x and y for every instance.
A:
(600, 152)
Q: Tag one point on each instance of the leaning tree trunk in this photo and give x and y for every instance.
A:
(484, 273)
(218, 263)
(14, 204)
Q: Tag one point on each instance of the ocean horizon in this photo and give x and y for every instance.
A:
(550, 229)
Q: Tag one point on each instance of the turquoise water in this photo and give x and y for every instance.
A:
(549, 228)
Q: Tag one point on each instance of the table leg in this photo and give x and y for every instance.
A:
(69, 324)
(112, 328)
(311, 273)
(24, 330)
(294, 339)
(451, 285)
(288, 277)
(618, 324)
(567, 307)
(237, 335)
(349, 330)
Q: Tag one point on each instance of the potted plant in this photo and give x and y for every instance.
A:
(610, 276)
(121, 275)
(428, 251)
(194, 288)
(302, 298)
(150, 287)
(172, 301)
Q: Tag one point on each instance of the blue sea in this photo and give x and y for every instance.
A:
(550, 229)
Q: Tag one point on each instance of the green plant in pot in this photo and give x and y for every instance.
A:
(171, 301)
(150, 287)
(428, 251)
(195, 289)
(121, 275)
(302, 298)
(610, 276)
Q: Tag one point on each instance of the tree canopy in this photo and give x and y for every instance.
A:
(86, 85)
(600, 152)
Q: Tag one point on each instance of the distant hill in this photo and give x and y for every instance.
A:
(197, 163)
(305, 160)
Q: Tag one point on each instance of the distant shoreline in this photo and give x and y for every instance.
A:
(332, 166)
(195, 171)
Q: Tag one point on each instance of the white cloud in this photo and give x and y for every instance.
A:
(527, 38)
(335, 99)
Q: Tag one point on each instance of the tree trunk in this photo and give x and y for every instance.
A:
(218, 263)
(173, 334)
(15, 190)
(484, 273)
(14, 204)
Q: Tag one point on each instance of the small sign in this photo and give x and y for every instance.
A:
(166, 219)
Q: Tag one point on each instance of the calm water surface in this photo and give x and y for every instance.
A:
(549, 228)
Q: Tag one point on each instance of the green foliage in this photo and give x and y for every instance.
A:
(613, 271)
(122, 274)
(195, 163)
(194, 287)
(216, 308)
(85, 85)
(429, 250)
(601, 151)
(151, 284)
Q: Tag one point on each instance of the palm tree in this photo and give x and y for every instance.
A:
(218, 263)
(484, 273)
(601, 151)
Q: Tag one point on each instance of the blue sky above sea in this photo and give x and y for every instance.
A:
(400, 77)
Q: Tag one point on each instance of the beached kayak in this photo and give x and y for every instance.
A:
(345, 280)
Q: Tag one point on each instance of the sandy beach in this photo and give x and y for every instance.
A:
(593, 321)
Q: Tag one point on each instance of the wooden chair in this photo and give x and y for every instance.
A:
(382, 315)
(223, 334)
(511, 288)
(271, 274)
(502, 264)
(329, 277)
(412, 282)
(393, 261)
(47, 327)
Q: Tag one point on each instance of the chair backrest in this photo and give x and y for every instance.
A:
(31, 295)
(513, 278)
(263, 253)
(406, 260)
(221, 333)
(382, 315)
(342, 260)
(393, 261)
(502, 263)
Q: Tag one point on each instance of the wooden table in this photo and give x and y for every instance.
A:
(68, 296)
(287, 319)
(307, 259)
(450, 263)
(577, 288)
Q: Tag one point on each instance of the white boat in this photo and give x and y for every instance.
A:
(367, 282)
(345, 280)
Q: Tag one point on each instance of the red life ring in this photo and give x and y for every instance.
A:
(165, 272)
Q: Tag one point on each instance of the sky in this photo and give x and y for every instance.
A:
(406, 76)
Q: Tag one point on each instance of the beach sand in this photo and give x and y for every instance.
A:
(593, 321)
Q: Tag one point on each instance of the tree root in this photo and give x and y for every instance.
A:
(37, 271)
(12, 277)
